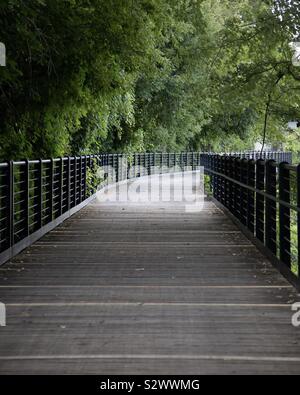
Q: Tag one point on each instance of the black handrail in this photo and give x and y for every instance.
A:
(264, 196)
(37, 195)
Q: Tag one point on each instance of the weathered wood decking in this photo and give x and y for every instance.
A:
(146, 289)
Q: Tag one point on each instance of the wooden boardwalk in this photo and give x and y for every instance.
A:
(146, 289)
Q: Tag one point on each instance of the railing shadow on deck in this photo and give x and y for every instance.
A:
(259, 189)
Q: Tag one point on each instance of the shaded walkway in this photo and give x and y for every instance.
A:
(146, 289)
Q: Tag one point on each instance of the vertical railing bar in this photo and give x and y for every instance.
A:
(11, 204)
(75, 182)
(85, 178)
(251, 196)
(81, 180)
(284, 215)
(227, 184)
(61, 185)
(243, 178)
(232, 186)
(271, 207)
(224, 182)
(260, 200)
(40, 195)
(26, 204)
(51, 184)
(298, 217)
(69, 183)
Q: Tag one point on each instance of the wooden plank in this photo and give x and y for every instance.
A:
(148, 294)
(200, 238)
(154, 366)
(96, 275)
(120, 329)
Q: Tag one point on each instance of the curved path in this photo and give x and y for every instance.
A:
(146, 288)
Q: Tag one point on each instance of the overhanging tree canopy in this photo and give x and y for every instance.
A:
(98, 75)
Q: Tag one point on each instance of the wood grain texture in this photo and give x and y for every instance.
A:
(146, 289)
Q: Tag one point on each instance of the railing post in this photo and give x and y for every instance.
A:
(251, 196)
(51, 179)
(140, 165)
(227, 182)
(81, 180)
(298, 214)
(61, 185)
(107, 168)
(285, 214)
(11, 204)
(208, 166)
(148, 161)
(126, 165)
(232, 185)
(271, 206)
(217, 178)
(161, 163)
(68, 184)
(260, 200)
(93, 168)
(237, 177)
(214, 177)
(144, 164)
(130, 166)
(26, 200)
(40, 195)
(244, 194)
(84, 178)
(121, 167)
(145, 155)
(134, 165)
(175, 162)
(76, 180)
(223, 181)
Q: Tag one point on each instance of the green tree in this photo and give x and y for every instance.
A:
(113, 75)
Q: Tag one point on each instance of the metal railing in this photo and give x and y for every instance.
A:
(36, 196)
(254, 155)
(264, 196)
(277, 156)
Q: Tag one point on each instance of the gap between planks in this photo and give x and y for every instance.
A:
(156, 286)
(227, 358)
(146, 304)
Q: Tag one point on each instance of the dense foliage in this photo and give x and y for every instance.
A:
(134, 75)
